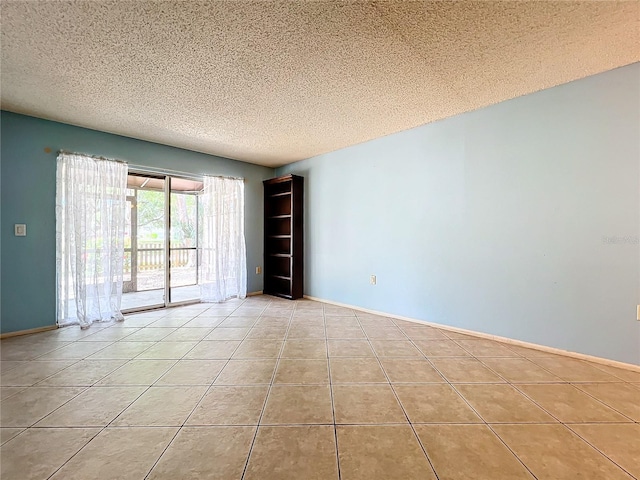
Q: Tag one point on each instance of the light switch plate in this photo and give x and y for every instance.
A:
(20, 230)
(638, 313)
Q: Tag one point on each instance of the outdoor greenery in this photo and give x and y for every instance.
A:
(150, 206)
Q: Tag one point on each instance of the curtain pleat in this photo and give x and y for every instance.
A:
(90, 231)
(223, 270)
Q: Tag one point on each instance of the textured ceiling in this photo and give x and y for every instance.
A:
(273, 82)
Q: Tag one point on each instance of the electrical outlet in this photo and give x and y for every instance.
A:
(372, 280)
(258, 270)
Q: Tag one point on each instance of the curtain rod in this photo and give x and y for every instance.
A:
(158, 170)
(96, 157)
(148, 169)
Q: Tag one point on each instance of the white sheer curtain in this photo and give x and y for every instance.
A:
(90, 229)
(223, 270)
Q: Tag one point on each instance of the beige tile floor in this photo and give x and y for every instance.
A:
(271, 389)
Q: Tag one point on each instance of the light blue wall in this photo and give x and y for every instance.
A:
(494, 220)
(28, 177)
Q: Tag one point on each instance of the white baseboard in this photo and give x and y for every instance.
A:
(520, 343)
(27, 332)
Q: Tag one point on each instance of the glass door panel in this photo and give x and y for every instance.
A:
(183, 245)
(128, 277)
(144, 281)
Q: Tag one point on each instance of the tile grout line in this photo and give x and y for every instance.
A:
(101, 429)
(333, 408)
(266, 398)
(206, 391)
(541, 407)
(75, 361)
(584, 362)
(598, 366)
(415, 434)
(452, 386)
(85, 388)
(71, 342)
(488, 425)
(76, 453)
(122, 411)
(577, 434)
(589, 394)
(480, 359)
(532, 400)
(478, 413)
(567, 425)
(37, 359)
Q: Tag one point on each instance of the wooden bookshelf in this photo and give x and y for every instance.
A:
(283, 236)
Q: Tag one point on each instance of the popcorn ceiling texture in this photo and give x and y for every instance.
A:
(275, 82)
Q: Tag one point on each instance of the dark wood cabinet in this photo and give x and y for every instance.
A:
(283, 236)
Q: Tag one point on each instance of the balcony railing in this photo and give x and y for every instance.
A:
(149, 266)
(151, 256)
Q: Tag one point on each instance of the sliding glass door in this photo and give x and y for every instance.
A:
(161, 242)
(144, 265)
(183, 245)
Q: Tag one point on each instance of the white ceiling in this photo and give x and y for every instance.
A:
(272, 82)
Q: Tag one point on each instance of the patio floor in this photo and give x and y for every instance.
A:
(156, 297)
